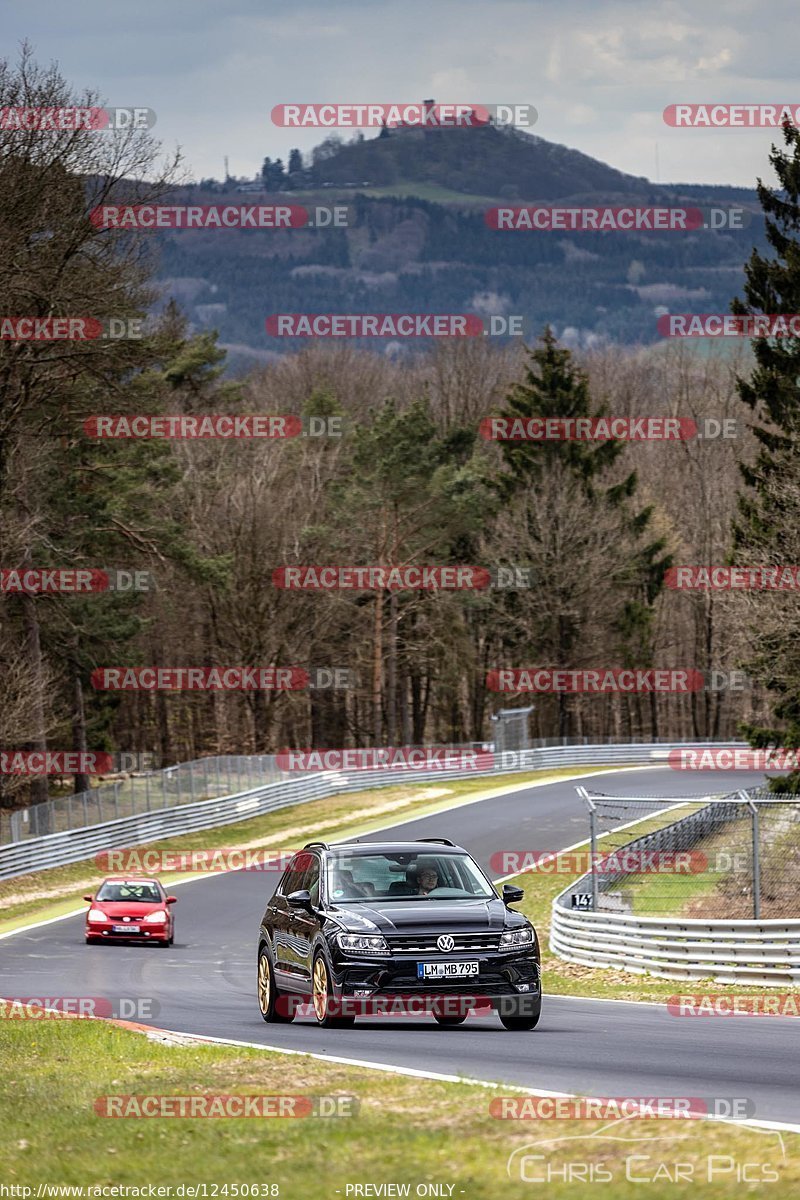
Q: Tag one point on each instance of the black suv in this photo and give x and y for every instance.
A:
(360, 928)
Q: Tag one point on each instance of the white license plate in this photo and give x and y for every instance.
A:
(446, 970)
(125, 929)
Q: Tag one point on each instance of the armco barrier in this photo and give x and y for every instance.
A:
(69, 846)
(746, 951)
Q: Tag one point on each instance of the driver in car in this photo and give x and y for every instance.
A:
(427, 879)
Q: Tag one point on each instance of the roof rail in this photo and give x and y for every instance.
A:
(443, 841)
(316, 846)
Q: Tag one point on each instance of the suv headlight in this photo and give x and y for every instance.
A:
(155, 918)
(360, 943)
(517, 937)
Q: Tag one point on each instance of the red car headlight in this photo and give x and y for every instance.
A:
(95, 915)
(155, 918)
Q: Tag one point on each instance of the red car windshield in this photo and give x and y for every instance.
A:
(135, 893)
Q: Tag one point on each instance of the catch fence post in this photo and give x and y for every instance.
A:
(753, 806)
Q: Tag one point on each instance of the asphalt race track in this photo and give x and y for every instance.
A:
(205, 983)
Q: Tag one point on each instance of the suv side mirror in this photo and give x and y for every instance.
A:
(171, 900)
(301, 899)
(511, 894)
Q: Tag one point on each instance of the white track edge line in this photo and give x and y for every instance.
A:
(440, 1077)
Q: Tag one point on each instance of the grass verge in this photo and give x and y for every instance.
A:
(406, 1130)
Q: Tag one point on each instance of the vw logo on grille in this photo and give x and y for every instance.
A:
(446, 942)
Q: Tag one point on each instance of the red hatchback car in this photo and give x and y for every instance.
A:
(137, 910)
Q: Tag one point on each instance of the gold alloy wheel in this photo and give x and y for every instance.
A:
(264, 989)
(320, 993)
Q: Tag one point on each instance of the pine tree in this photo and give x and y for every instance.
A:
(632, 568)
(769, 507)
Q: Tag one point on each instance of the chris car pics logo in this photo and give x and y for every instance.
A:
(629, 1151)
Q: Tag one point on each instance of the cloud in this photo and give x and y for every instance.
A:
(599, 75)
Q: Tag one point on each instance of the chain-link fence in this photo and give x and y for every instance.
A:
(511, 729)
(723, 857)
(142, 792)
(149, 791)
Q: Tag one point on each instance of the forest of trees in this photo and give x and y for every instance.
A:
(410, 254)
(410, 480)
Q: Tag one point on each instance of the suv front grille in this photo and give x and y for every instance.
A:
(425, 943)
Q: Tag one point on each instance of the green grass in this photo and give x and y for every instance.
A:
(727, 892)
(405, 1130)
(668, 895)
(45, 894)
(654, 894)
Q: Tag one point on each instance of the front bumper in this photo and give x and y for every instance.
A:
(499, 974)
(103, 932)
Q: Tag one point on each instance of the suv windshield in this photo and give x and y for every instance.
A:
(404, 876)
(130, 893)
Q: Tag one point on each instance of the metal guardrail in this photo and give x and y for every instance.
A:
(744, 950)
(74, 845)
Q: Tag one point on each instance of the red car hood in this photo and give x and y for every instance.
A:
(124, 908)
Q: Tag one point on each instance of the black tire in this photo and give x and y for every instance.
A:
(444, 1017)
(520, 1012)
(322, 995)
(274, 1007)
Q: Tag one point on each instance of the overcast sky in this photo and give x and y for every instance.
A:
(599, 74)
